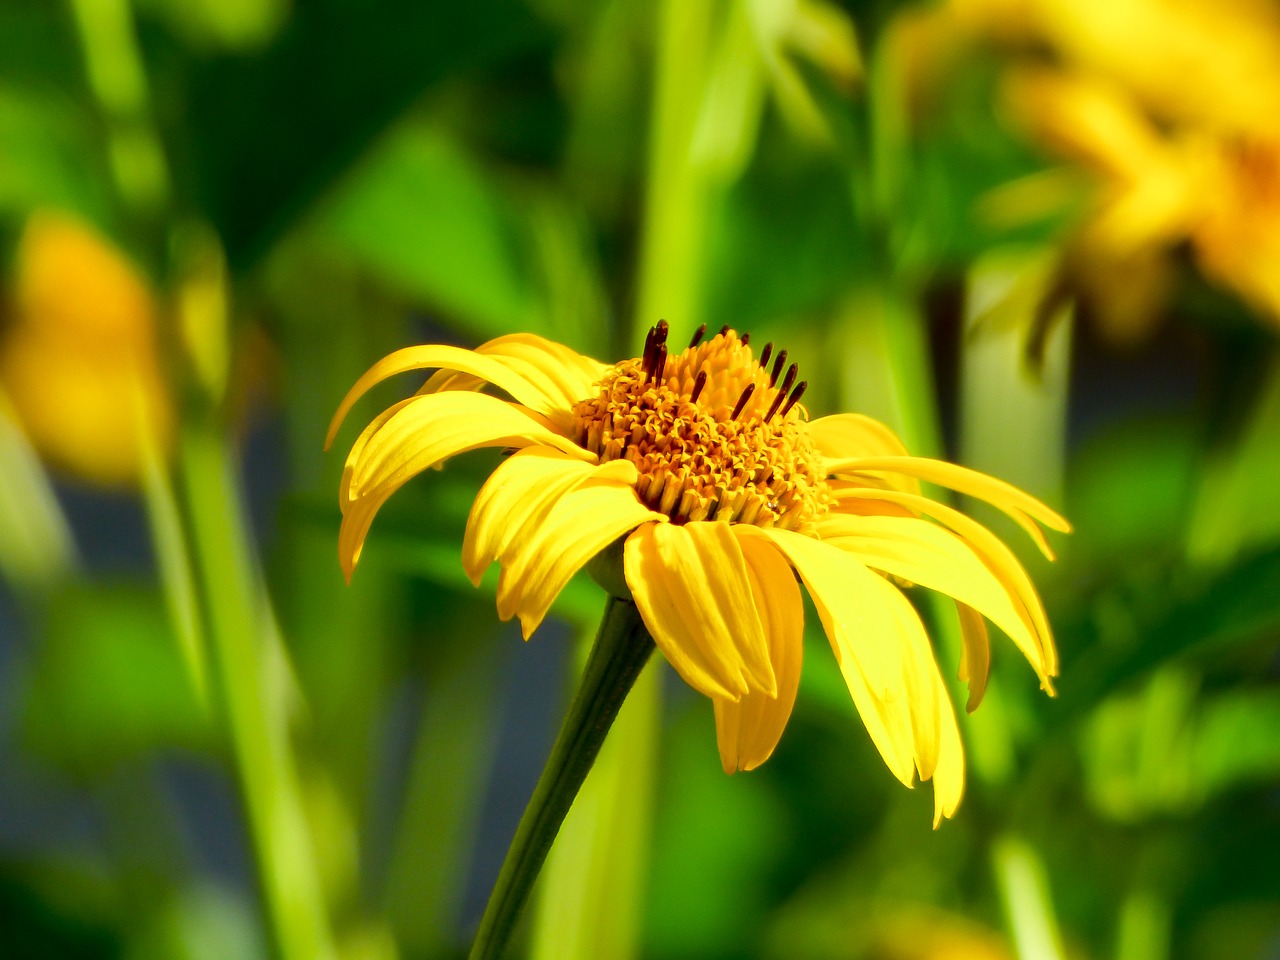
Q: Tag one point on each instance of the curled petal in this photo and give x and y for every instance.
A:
(497, 371)
(564, 375)
(688, 582)
(356, 521)
(747, 731)
(428, 429)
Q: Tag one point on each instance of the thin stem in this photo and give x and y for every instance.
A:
(621, 650)
(256, 724)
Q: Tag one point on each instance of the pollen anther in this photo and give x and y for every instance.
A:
(703, 434)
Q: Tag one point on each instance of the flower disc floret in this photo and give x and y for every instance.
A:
(712, 433)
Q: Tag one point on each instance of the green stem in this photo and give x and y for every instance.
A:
(255, 720)
(621, 650)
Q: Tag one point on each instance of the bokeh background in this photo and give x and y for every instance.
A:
(1039, 237)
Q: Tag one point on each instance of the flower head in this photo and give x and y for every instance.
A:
(706, 462)
(80, 365)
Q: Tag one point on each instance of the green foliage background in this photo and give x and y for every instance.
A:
(213, 748)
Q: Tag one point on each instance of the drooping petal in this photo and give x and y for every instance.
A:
(562, 373)
(865, 636)
(357, 512)
(748, 731)
(948, 775)
(975, 653)
(990, 548)
(537, 564)
(1019, 505)
(357, 518)
(485, 368)
(924, 553)
(919, 670)
(690, 583)
(345, 497)
(518, 496)
(431, 428)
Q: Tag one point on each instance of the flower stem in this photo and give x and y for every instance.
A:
(621, 650)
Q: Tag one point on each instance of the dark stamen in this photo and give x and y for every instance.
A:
(659, 362)
(777, 367)
(646, 354)
(724, 330)
(788, 380)
(742, 400)
(660, 332)
(746, 338)
(796, 394)
(697, 335)
(773, 407)
(764, 354)
(698, 384)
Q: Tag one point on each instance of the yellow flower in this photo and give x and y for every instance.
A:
(706, 462)
(1180, 133)
(80, 364)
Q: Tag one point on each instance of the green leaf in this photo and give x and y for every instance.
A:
(108, 681)
(266, 134)
(424, 217)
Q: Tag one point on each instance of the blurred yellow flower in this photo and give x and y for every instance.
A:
(79, 361)
(1181, 132)
(706, 462)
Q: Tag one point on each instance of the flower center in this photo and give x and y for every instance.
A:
(714, 432)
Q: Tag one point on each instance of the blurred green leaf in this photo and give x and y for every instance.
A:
(108, 682)
(47, 156)
(222, 24)
(426, 218)
(266, 133)
(1130, 487)
(714, 841)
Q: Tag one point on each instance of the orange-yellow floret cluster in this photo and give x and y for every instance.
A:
(704, 451)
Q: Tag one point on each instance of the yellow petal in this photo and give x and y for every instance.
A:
(562, 373)
(975, 654)
(990, 548)
(495, 371)
(919, 670)
(345, 496)
(431, 428)
(690, 583)
(925, 553)
(581, 523)
(748, 731)
(864, 634)
(844, 435)
(1004, 496)
(358, 512)
(357, 518)
(519, 494)
(948, 775)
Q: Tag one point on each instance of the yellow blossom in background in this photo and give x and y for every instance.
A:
(704, 461)
(79, 361)
(1173, 111)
